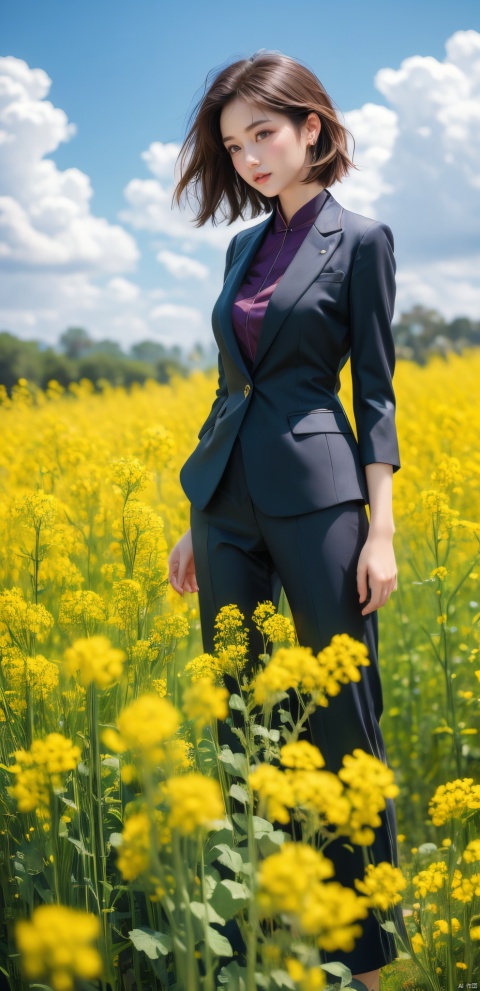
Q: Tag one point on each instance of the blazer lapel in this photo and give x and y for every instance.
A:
(222, 311)
(307, 264)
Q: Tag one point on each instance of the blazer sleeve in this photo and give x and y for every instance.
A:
(222, 390)
(372, 298)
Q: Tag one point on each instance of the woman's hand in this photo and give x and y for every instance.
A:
(181, 573)
(376, 565)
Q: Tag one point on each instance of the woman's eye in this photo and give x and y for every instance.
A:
(232, 148)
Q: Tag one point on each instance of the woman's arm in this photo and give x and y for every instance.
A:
(372, 352)
(372, 298)
(376, 563)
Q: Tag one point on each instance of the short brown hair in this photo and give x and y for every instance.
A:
(274, 82)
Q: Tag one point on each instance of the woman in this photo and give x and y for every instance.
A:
(278, 482)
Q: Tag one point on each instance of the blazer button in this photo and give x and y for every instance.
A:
(246, 390)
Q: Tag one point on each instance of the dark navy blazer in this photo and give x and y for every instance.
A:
(334, 301)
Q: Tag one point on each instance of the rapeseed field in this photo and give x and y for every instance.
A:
(134, 851)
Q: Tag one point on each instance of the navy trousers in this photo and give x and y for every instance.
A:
(243, 557)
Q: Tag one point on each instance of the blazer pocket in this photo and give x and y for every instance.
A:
(330, 277)
(316, 421)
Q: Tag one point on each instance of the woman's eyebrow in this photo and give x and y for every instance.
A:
(264, 120)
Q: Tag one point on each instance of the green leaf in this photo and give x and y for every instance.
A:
(207, 755)
(282, 980)
(234, 763)
(80, 846)
(212, 878)
(389, 927)
(201, 911)
(271, 842)
(228, 857)
(233, 976)
(229, 897)
(259, 730)
(218, 943)
(260, 826)
(236, 702)
(240, 794)
(152, 943)
(338, 970)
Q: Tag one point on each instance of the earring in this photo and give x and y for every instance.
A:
(314, 153)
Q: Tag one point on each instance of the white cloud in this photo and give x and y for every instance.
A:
(45, 218)
(427, 187)
(178, 324)
(123, 290)
(161, 158)
(181, 267)
(375, 130)
(61, 265)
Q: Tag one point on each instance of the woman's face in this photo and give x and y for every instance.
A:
(272, 147)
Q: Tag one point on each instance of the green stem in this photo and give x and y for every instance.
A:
(253, 907)
(208, 982)
(54, 823)
(95, 787)
(189, 967)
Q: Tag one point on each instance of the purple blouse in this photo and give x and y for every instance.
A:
(275, 253)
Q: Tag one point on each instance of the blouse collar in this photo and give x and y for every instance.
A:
(303, 217)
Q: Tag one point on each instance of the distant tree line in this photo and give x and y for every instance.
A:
(420, 333)
(77, 356)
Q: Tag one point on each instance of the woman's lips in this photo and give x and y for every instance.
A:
(263, 178)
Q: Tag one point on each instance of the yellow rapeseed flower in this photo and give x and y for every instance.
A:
(94, 659)
(291, 882)
(276, 797)
(204, 666)
(81, 610)
(453, 800)
(204, 702)
(143, 726)
(231, 639)
(301, 755)
(307, 978)
(471, 854)
(431, 879)
(369, 783)
(56, 944)
(194, 802)
(134, 852)
(40, 769)
(417, 942)
(129, 474)
(464, 889)
(382, 885)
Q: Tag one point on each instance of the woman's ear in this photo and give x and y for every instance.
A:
(314, 126)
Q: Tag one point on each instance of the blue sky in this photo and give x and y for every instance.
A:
(127, 76)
